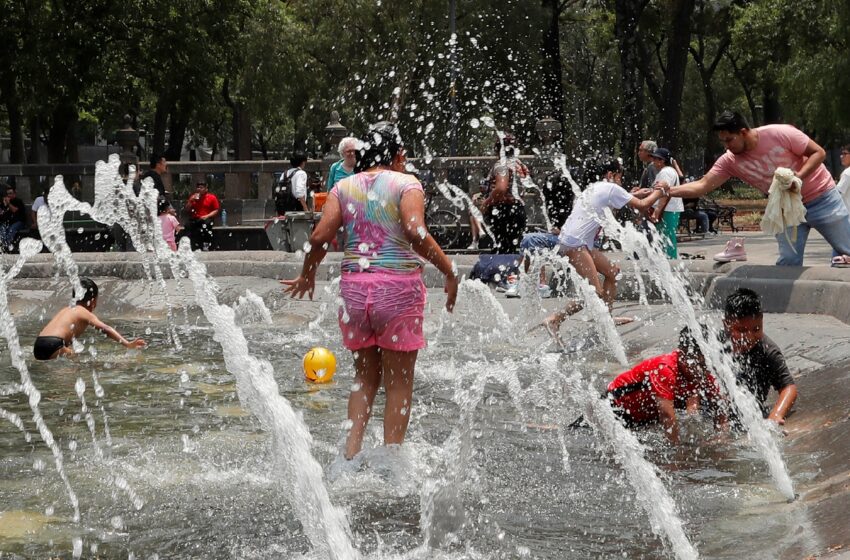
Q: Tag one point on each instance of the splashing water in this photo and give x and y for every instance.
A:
(250, 308)
(718, 361)
(629, 452)
(323, 523)
(441, 505)
(29, 248)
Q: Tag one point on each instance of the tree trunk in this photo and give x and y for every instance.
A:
(62, 119)
(34, 155)
(748, 89)
(263, 145)
(176, 135)
(17, 151)
(72, 144)
(241, 132)
(771, 107)
(553, 74)
(711, 146)
(631, 113)
(241, 124)
(679, 38)
(157, 145)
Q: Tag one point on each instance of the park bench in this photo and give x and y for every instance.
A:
(688, 218)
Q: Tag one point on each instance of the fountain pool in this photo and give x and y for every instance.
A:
(166, 431)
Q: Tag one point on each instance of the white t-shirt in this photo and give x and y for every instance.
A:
(36, 204)
(843, 186)
(299, 184)
(669, 175)
(588, 213)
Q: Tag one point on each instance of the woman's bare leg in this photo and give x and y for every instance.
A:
(609, 271)
(398, 382)
(583, 262)
(474, 228)
(367, 380)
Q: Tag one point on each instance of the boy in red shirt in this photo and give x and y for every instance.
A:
(202, 206)
(655, 388)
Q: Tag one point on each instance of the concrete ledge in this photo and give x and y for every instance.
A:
(815, 290)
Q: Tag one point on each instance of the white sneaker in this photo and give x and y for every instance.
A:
(473, 246)
(513, 287)
(544, 291)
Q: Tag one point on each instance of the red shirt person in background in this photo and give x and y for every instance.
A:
(202, 206)
(653, 390)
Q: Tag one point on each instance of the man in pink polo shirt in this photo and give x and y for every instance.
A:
(753, 154)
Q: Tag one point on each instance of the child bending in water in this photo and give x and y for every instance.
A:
(55, 338)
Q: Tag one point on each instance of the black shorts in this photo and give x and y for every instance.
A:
(45, 346)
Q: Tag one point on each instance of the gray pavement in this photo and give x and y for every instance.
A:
(814, 288)
(761, 248)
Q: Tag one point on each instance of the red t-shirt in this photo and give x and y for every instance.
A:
(203, 206)
(779, 145)
(635, 391)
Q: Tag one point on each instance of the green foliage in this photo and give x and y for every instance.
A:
(181, 65)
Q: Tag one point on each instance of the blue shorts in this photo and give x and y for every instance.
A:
(537, 242)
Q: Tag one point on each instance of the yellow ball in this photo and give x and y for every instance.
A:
(319, 365)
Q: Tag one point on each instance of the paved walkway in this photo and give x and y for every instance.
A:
(761, 248)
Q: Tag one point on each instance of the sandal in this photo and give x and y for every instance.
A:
(841, 261)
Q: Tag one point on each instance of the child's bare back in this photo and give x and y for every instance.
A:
(55, 338)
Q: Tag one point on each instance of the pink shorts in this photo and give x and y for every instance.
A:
(382, 309)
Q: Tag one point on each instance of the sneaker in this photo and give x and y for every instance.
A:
(512, 290)
(734, 251)
(544, 291)
(473, 246)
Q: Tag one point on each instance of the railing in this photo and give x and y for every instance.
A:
(246, 186)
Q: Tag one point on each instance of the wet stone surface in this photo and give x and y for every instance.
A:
(181, 440)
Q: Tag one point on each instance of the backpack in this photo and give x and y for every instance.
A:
(284, 201)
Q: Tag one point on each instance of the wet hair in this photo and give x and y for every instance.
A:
(688, 344)
(605, 166)
(162, 205)
(508, 142)
(742, 303)
(297, 159)
(378, 146)
(155, 159)
(348, 140)
(90, 293)
(730, 121)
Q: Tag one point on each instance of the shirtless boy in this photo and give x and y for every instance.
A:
(55, 338)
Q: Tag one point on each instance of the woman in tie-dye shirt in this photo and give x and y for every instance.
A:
(387, 243)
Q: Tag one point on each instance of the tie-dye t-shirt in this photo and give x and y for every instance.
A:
(375, 240)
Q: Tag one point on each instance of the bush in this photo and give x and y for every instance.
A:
(736, 190)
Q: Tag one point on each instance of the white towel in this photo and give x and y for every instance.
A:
(784, 206)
